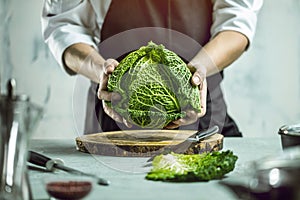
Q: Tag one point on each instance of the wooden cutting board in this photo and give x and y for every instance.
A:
(145, 143)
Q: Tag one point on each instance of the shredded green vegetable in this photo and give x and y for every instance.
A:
(197, 167)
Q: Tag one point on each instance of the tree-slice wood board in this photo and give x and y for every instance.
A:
(145, 143)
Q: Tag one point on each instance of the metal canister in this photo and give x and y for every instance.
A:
(290, 135)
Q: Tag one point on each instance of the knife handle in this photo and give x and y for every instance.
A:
(43, 161)
(37, 159)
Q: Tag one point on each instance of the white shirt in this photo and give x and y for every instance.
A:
(66, 22)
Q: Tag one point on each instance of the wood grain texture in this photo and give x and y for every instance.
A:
(145, 143)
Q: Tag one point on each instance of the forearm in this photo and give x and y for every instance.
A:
(85, 60)
(220, 52)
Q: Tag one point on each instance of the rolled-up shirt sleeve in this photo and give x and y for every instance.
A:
(66, 22)
(240, 16)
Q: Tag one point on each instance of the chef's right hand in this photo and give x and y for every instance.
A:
(104, 95)
(84, 59)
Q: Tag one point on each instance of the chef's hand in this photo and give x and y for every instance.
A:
(199, 80)
(108, 67)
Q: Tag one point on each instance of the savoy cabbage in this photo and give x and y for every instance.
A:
(155, 87)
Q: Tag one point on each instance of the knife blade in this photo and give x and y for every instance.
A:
(58, 164)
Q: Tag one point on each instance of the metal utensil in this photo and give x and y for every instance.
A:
(18, 118)
(197, 137)
(53, 164)
(274, 177)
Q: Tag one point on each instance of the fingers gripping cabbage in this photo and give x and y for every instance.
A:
(155, 87)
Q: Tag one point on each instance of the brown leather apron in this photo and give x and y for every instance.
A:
(181, 26)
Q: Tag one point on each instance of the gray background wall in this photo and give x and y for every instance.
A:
(262, 88)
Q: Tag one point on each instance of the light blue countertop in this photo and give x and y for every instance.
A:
(127, 175)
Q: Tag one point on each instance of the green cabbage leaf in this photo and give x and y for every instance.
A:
(196, 167)
(155, 87)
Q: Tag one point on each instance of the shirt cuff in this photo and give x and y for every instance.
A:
(237, 19)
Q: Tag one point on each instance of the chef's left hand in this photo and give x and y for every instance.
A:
(198, 79)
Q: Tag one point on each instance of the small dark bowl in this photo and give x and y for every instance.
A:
(290, 135)
(66, 187)
(69, 190)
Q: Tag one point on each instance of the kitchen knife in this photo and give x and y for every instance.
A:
(53, 164)
(200, 135)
